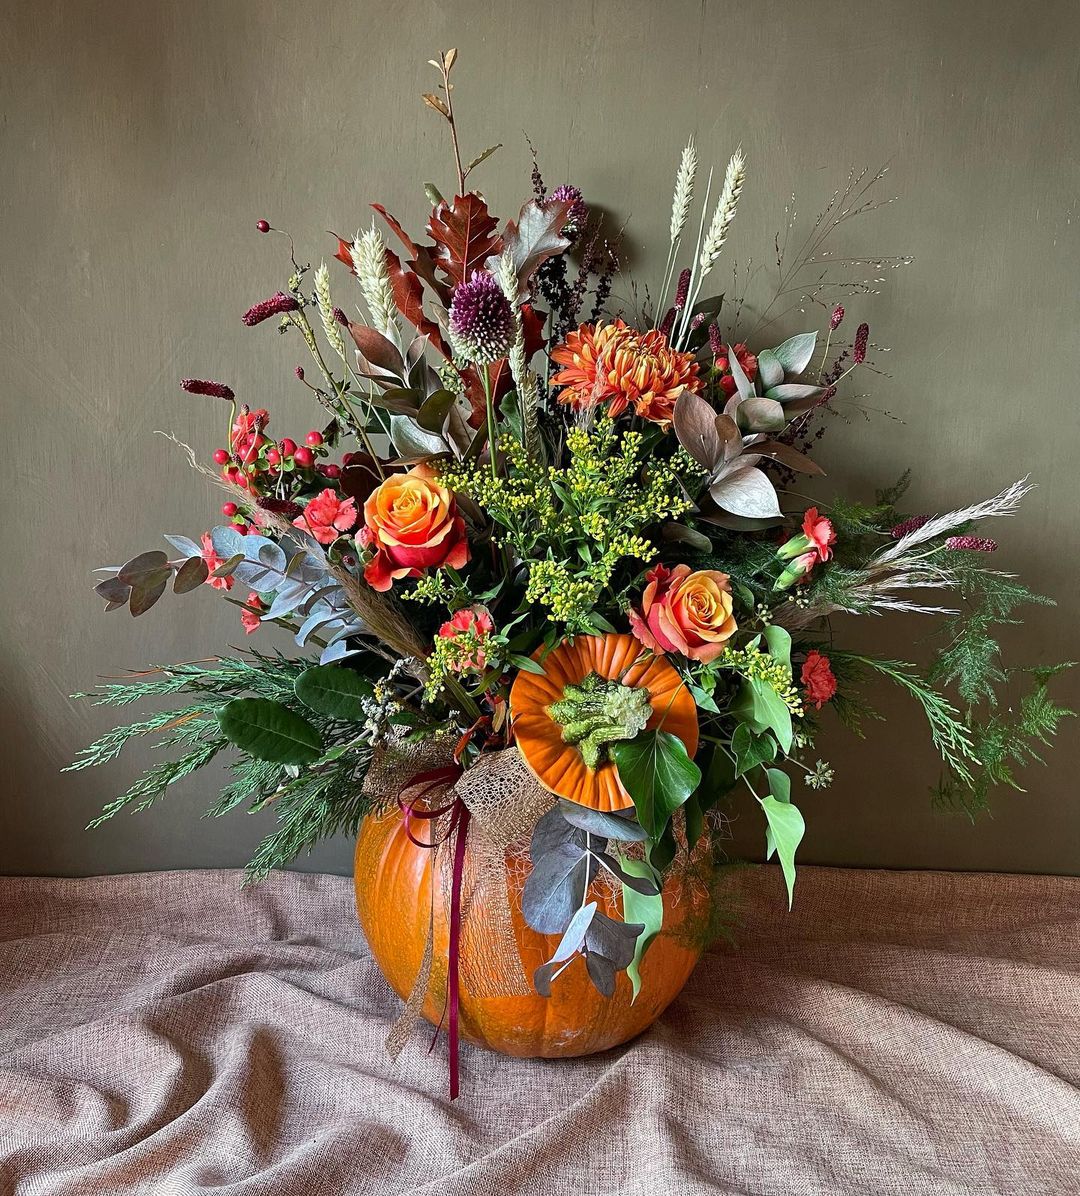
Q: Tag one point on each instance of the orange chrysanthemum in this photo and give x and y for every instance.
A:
(616, 365)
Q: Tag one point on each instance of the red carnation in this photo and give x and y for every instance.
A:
(818, 680)
(744, 357)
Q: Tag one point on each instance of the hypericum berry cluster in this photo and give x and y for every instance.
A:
(265, 467)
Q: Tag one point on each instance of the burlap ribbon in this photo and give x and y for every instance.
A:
(504, 802)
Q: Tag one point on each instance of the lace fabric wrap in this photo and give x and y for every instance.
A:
(504, 801)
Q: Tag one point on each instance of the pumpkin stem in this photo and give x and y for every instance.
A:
(599, 711)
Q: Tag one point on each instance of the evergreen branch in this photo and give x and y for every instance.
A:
(951, 737)
(309, 808)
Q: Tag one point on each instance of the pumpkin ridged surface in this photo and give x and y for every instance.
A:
(393, 896)
(560, 767)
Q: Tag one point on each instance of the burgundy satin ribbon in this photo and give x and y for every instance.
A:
(458, 826)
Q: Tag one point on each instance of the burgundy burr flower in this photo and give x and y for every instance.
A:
(341, 317)
(682, 290)
(716, 341)
(668, 322)
(200, 386)
(276, 305)
(858, 351)
(481, 320)
(909, 525)
(697, 321)
(263, 226)
(836, 317)
(972, 543)
(281, 506)
(578, 212)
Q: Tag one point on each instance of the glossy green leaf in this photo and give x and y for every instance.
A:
(659, 775)
(333, 690)
(761, 708)
(646, 909)
(269, 731)
(750, 749)
(779, 641)
(779, 784)
(786, 829)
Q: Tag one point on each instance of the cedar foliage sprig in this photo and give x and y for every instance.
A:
(324, 800)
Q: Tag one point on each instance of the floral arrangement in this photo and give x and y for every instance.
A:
(541, 526)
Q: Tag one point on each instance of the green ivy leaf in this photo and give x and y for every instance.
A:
(332, 690)
(646, 909)
(659, 775)
(269, 731)
(779, 784)
(761, 708)
(753, 750)
(786, 829)
(779, 641)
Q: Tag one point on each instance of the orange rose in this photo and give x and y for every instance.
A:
(413, 524)
(686, 612)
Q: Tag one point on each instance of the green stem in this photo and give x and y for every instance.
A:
(489, 403)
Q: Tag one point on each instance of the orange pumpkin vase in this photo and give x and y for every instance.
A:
(393, 898)
(394, 875)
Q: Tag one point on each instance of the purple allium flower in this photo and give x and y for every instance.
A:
(716, 341)
(481, 320)
(682, 290)
(667, 323)
(200, 386)
(578, 211)
(972, 543)
(909, 525)
(858, 350)
(836, 317)
(276, 305)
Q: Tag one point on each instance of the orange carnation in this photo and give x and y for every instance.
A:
(413, 524)
(613, 363)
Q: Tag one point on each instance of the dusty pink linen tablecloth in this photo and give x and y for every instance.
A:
(897, 1033)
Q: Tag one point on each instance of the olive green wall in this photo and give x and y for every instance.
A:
(142, 139)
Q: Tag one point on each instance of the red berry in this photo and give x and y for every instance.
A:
(241, 480)
(221, 456)
(273, 457)
(304, 457)
(263, 226)
(313, 438)
(332, 471)
(229, 509)
(241, 528)
(288, 447)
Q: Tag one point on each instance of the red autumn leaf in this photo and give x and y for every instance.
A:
(532, 323)
(409, 298)
(376, 349)
(344, 250)
(422, 260)
(465, 235)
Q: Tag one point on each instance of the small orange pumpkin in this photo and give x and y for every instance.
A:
(393, 900)
(559, 764)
